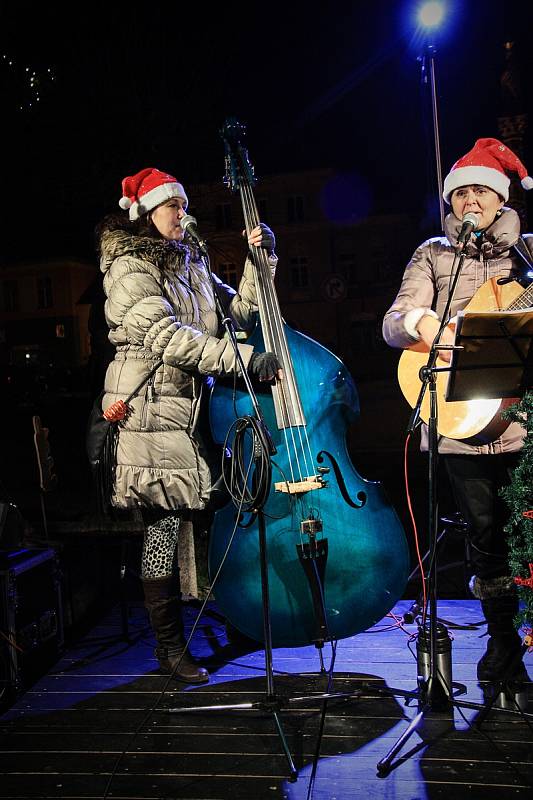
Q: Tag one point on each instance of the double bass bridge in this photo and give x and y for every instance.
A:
(309, 484)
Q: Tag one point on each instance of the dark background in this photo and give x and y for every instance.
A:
(137, 84)
(128, 85)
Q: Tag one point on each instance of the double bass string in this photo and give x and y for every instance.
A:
(275, 339)
(268, 316)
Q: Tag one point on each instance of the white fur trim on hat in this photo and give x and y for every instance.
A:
(482, 176)
(156, 196)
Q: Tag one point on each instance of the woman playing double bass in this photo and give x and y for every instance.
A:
(160, 306)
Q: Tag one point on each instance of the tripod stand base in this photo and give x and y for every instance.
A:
(271, 704)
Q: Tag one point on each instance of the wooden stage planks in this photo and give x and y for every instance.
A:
(63, 737)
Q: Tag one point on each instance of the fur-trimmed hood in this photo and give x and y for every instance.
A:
(116, 241)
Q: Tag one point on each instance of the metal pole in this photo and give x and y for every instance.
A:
(433, 86)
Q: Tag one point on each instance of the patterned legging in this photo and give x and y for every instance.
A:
(159, 547)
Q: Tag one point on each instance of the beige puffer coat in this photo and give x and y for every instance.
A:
(426, 284)
(160, 306)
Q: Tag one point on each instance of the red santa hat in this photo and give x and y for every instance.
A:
(486, 165)
(147, 189)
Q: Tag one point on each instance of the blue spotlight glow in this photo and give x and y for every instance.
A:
(431, 14)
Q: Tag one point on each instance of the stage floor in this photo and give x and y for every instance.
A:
(98, 726)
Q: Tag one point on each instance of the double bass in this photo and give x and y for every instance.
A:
(318, 505)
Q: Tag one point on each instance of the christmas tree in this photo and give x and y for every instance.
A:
(519, 497)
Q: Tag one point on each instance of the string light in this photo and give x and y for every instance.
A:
(26, 85)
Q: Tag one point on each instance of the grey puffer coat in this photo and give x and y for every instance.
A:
(426, 284)
(160, 306)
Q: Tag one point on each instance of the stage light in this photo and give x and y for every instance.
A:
(431, 14)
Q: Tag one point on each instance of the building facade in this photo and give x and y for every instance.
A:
(339, 267)
(43, 324)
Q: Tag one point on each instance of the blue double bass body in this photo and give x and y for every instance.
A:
(367, 560)
(337, 557)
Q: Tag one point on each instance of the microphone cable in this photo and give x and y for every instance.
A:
(415, 529)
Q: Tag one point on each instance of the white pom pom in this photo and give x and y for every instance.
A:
(125, 203)
(527, 182)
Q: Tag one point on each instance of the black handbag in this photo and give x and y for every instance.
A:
(101, 440)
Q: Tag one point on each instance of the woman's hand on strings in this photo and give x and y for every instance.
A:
(265, 367)
(262, 236)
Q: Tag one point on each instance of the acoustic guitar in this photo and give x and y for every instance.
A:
(478, 421)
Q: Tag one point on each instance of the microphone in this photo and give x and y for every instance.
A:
(189, 224)
(470, 223)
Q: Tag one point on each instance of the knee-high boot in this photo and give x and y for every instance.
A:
(503, 657)
(163, 602)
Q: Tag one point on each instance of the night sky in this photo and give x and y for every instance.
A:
(317, 85)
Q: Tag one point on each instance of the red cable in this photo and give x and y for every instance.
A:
(415, 531)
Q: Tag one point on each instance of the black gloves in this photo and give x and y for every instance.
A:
(264, 366)
(267, 240)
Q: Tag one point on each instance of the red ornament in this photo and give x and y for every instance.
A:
(528, 514)
(526, 581)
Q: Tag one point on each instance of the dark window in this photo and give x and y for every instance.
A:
(44, 292)
(11, 296)
(228, 273)
(348, 268)
(299, 274)
(295, 208)
(357, 271)
(223, 216)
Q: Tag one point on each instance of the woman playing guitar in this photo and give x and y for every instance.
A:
(479, 456)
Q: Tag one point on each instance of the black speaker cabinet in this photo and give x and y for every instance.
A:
(31, 618)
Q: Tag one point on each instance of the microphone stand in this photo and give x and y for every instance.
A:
(434, 693)
(262, 443)
(310, 556)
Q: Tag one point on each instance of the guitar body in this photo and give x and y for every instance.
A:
(479, 421)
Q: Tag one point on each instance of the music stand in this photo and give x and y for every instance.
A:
(508, 371)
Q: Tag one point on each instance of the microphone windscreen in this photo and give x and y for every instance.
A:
(187, 220)
(471, 219)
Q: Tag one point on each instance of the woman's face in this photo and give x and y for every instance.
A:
(166, 218)
(480, 200)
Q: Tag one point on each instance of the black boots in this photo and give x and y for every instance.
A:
(503, 658)
(163, 602)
